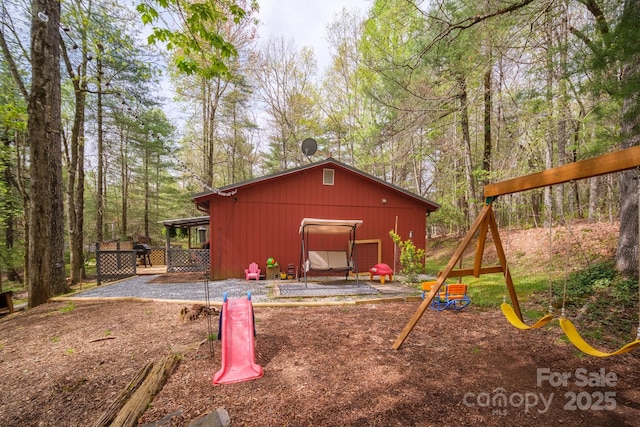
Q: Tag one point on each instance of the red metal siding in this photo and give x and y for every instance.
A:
(262, 220)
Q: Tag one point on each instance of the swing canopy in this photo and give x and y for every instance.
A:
(329, 226)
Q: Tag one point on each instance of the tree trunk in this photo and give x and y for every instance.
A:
(101, 172)
(75, 192)
(46, 241)
(8, 213)
(574, 158)
(466, 146)
(627, 251)
(486, 154)
(8, 208)
(124, 180)
(21, 169)
(75, 171)
(548, 160)
(100, 199)
(592, 216)
(147, 193)
(562, 104)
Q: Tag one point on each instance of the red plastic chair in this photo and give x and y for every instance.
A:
(253, 272)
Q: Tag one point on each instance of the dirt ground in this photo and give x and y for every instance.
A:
(63, 363)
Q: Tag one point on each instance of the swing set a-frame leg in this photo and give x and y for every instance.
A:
(505, 267)
(485, 219)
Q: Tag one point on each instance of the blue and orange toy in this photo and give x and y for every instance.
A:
(237, 333)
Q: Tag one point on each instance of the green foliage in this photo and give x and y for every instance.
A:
(411, 258)
(582, 284)
(448, 216)
(199, 46)
(608, 306)
(625, 292)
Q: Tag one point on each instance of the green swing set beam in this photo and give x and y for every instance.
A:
(601, 165)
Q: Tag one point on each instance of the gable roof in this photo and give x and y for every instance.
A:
(202, 197)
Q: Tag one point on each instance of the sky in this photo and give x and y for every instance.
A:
(305, 21)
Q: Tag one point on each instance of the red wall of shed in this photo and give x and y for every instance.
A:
(262, 219)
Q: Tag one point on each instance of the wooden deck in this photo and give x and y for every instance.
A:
(141, 270)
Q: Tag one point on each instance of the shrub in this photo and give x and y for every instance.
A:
(411, 258)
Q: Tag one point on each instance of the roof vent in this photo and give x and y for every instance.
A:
(327, 176)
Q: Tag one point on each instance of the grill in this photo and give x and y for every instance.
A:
(143, 251)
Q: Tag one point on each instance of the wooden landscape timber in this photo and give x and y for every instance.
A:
(135, 398)
(116, 406)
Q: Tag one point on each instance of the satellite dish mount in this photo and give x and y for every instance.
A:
(309, 147)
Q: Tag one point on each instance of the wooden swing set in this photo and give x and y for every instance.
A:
(601, 165)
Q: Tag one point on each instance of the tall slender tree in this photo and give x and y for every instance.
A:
(629, 91)
(46, 240)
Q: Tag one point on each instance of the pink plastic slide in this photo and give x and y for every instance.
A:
(238, 352)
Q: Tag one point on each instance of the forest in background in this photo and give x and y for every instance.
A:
(439, 98)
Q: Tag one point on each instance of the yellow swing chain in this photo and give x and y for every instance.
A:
(550, 226)
(638, 253)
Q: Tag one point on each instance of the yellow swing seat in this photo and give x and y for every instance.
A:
(575, 338)
(513, 318)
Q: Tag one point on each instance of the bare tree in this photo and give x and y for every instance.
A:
(284, 79)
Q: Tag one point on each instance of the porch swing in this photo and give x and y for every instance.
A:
(325, 260)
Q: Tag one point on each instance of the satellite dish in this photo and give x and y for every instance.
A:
(309, 147)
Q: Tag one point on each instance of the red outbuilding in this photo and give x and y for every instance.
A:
(258, 219)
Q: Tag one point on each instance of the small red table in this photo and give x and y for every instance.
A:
(381, 270)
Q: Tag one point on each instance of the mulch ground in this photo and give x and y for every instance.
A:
(62, 365)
